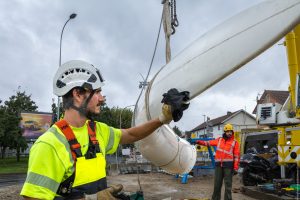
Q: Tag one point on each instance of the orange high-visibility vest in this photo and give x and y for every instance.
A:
(227, 152)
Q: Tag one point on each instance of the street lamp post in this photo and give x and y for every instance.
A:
(205, 126)
(72, 16)
(120, 128)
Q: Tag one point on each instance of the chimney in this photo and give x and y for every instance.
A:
(229, 113)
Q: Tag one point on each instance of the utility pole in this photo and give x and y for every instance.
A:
(72, 16)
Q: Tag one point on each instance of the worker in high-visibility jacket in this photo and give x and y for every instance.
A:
(227, 159)
(68, 161)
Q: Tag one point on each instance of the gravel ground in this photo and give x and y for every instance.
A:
(156, 186)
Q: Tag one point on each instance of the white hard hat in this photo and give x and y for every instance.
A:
(76, 73)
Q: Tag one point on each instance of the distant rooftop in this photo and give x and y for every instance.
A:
(218, 120)
(272, 96)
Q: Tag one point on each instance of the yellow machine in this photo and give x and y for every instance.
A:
(289, 136)
(286, 119)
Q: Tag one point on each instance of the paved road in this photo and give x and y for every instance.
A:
(11, 179)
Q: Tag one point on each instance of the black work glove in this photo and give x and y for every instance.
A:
(179, 101)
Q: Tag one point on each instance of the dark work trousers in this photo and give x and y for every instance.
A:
(220, 174)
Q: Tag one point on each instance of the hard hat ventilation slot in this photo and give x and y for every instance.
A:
(92, 79)
(60, 84)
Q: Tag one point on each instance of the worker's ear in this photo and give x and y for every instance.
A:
(78, 96)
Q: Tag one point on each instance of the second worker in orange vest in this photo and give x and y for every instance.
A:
(227, 159)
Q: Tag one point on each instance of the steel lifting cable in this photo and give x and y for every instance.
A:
(135, 108)
(174, 23)
(151, 63)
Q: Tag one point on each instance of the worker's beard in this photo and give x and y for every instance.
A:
(225, 136)
(92, 115)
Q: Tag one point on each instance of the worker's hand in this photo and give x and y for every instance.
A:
(166, 114)
(234, 172)
(200, 142)
(177, 102)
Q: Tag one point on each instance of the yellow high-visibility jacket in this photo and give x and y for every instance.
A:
(51, 162)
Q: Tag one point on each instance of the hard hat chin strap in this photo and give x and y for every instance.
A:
(83, 108)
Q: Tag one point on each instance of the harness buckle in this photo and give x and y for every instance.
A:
(77, 152)
(91, 152)
(65, 188)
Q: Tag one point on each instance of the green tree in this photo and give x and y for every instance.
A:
(126, 118)
(11, 133)
(105, 116)
(112, 116)
(127, 115)
(20, 102)
(54, 111)
(9, 129)
(3, 144)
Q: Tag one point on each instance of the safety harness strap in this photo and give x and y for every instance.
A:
(94, 147)
(65, 188)
(67, 131)
(92, 134)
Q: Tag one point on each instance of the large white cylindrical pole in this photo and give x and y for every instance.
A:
(205, 62)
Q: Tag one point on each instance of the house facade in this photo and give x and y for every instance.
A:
(214, 127)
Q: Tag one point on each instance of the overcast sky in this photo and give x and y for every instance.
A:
(119, 37)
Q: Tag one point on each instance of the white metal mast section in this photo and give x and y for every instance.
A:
(205, 62)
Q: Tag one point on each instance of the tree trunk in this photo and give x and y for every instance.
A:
(3, 152)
